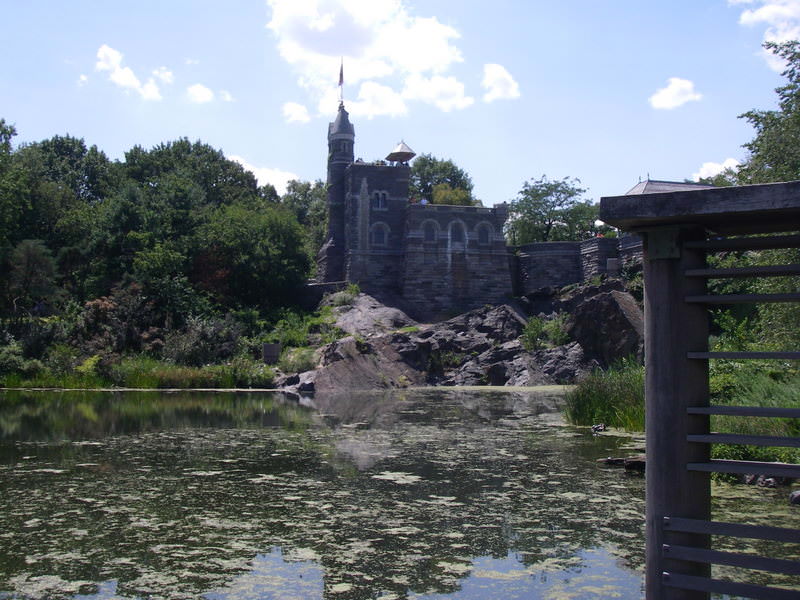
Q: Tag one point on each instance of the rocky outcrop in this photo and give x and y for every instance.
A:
(604, 319)
(481, 347)
(366, 317)
(608, 326)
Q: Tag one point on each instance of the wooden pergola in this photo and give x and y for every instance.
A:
(679, 230)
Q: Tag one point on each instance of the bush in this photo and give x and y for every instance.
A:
(532, 334)
(614, 397)
(555, 329)
(538, 330)
(297, 360)
(203, 341)
(11, 359)
(294, 330)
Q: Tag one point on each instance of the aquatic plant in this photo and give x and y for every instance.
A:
(614, 397)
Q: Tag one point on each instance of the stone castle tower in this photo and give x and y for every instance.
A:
(341, 137)
(437, 258)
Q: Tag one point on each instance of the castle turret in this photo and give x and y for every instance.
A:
(341, 136)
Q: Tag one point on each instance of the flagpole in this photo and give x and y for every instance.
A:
(341, 81)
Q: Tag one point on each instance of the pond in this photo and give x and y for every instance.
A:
(450, 494)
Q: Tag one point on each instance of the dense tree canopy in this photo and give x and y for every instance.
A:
(429, 172)
(190, 228)
(548, 210)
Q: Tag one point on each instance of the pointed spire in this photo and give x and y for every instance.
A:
(342, 123)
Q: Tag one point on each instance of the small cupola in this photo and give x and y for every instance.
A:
(401, 154)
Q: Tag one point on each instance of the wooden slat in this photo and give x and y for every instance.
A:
(763, 271)
(747, 561)
(743, 298)
(746, 440)
(752, 243)
(746, 590)
(753, 532)
(746, 411)
(745, 355)
(746, 467)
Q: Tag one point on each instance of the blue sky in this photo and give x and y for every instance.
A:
(607, 91)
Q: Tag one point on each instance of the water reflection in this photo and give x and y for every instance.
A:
(423, 494)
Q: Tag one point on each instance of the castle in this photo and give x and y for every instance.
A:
(437, 259)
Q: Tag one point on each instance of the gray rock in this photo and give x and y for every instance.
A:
(794, 497)
(609, 326)
(367, 317)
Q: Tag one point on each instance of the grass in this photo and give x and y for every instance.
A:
(147, 373)
(614, 397)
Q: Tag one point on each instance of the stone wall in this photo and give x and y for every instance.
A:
(375, 213)
(595, 254)
(548, 264)
(455, 258)
(630, 251)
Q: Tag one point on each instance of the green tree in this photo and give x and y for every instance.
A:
(444, 194)
(428, 171)
(552, 210)
(223, 181)
(774, 152)
(250, 258)
(32, 275)
(308, 203)
(14, 188)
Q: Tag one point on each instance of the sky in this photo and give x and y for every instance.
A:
(606, 91)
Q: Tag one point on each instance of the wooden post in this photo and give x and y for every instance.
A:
(673, 382)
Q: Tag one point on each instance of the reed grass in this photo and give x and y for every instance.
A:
(614, 397)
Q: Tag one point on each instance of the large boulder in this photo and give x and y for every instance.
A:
(609, 326)
(366, 317)
(356, 364)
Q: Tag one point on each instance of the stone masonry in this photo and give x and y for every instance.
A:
(436, 259)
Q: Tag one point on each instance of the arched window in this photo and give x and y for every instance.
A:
(429, 232)
(457, 233)
(379, 235)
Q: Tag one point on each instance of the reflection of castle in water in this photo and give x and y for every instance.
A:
(437, 257)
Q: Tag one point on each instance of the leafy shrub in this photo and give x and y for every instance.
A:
(538, 330)
(203, 341)
(555, 329)
(11, 359)
(61, 359)
(297, 360)
(532, 334)
(294, 330)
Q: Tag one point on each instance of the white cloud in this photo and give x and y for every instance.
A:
(149, 90)
(199, 94)
(264, 175)
(382, 44)
(295, 113)
(711, 169)
(192, 61)
(782, 20)
(677, 93)
(83, 80)
(226, 96)
(498, 83)
(109, 59)
(446, 93)
(164, 75)
(373, 100)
